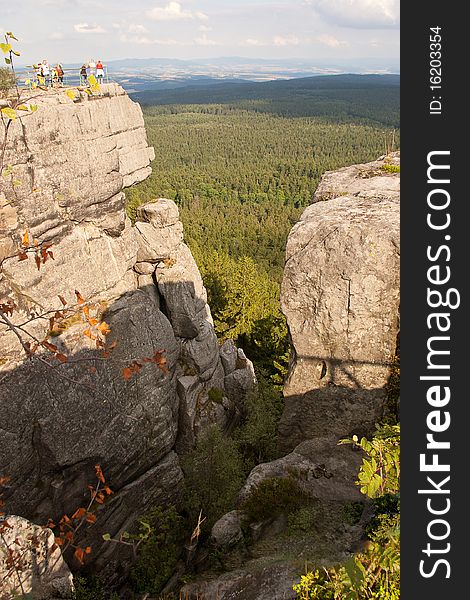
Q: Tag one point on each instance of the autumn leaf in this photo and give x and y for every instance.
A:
(80, 298)
(61, 357)
(90, 518)
(25, 239)
(88, 550)
(127, 373)
(99, 473)
(79, 555)
(38, 261)
(49, 346)
(88, 334)
(104, 328)
(93, 322)
(22, 256)
(79, 513)
(62, 299)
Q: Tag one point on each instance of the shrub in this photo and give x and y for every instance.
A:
(257, 436)
(157, 557)
(390, 168)
(213, 476)
(375, 572)
(216, 395)
(273, 497)
(91, 588)
(303, 520)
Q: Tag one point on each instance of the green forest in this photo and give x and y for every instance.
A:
(241, 177)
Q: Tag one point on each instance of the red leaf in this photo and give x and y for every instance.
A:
(90, 518)
(62, 299)
(88, 550)
(22, 256)
(127, 373)
(79, 513)
(79, 555)
(80, 298)
(38, 261)
(99, 474)
(49, 346)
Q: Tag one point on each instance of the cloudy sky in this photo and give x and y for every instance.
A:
(74, 30)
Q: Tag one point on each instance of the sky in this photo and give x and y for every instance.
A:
(77, 30)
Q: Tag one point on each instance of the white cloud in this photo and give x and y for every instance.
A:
(204, 28)
(173, 11)
(290, 40)
(87, 28)
(205, 41)
(143, 40)
(360, 14)
(252, 42)
(133, 28)
(331, 41)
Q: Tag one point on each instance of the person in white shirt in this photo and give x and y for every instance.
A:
(46, 71)
(91, 67)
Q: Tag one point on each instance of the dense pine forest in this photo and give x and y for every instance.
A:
(242, 172)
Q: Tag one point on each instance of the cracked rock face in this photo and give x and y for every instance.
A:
(73, 161)
(340, 294)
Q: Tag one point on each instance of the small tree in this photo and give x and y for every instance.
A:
(214, 476)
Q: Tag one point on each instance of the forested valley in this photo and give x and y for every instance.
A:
(243, 170)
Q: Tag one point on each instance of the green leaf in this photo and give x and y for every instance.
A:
(9, 112)
(8, 170)
(7, 60)
(5, 48)
(106, 537)
(15, 53)
(33, 107)
(16, 182)
(22, 107)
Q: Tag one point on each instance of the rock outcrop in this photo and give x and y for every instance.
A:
(70, 162)
(31, 564)
(340, 294)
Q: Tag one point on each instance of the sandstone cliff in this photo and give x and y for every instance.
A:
(70, 162)
(340, 295)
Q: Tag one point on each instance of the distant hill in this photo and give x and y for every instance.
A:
(356, 98)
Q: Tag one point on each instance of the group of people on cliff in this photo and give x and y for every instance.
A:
(49, 75)
(91, 68)
(52, 76)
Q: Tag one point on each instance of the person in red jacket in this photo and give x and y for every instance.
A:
(99, 71)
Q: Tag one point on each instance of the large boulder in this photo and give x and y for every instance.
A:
(340, 294)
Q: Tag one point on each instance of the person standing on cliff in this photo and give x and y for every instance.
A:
(83, 75)
(60, 74)
(99, 71)
(91, 67)
(46, 72)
